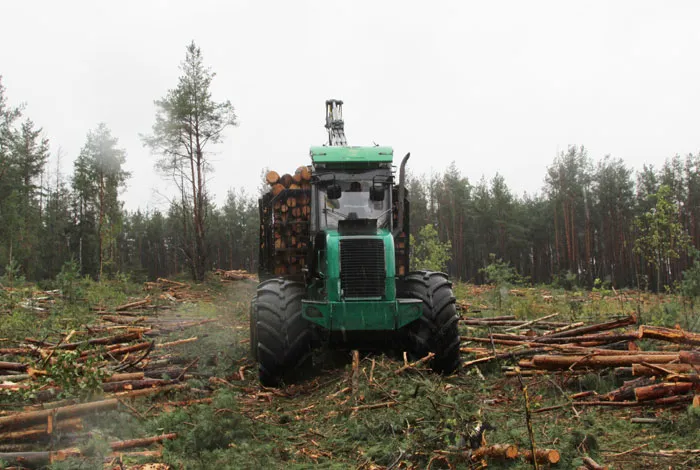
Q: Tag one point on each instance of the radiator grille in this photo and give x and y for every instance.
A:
(362, 270)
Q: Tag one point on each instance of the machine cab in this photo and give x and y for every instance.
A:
(351, 189)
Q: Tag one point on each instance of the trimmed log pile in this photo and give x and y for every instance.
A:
(285, 215)
(235, 275)
(665, 361)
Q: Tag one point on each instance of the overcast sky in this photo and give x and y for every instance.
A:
(494, 86)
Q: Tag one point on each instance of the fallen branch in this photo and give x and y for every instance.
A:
(123, 321)
(669, 453)
(374, 406)
(120, 351)
(176, 343)
(610, 325)
(186, 402)
(532, 322)
(591, 464)
(123, 338)
(151, 391)
(415, 364)
(131, 305)
(528, 421)
(136, 361)
(355, 371)
(665, 401)
(142, 442)
(134, 384)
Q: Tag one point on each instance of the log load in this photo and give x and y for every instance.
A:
(286, 180)
(285, 221)
(272, 177)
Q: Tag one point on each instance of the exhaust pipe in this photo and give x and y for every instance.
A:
(402, 194)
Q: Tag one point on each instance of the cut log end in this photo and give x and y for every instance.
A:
(286, 179)
(499, 451)
(551, 456)
(272, 177)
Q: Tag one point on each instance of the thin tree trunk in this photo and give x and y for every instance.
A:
(101, 222)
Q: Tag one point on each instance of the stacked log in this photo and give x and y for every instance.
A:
(285, 220)
(234, 275)
(665, 377)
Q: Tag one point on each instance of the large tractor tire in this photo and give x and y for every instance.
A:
(254, 329)
(436, 330)
(282, 336)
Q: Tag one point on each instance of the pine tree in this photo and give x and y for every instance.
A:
(98, 177)
(661, 237)
(187, 120)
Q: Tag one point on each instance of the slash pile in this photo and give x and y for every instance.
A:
(48, 385)
(666, 369)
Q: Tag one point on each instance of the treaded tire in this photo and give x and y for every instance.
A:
(254, 329)
(436, 330)
(282, 335)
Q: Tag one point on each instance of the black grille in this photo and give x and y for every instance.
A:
(362, 267)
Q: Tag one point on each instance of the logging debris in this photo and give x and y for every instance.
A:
(666, 376)
(128, 362)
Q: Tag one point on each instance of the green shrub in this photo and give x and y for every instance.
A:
(690, 285)
(428, 252)
(69, 281)
(83, 380)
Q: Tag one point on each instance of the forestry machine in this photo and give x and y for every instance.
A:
(354, 290)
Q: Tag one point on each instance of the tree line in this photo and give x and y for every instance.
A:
(593, 222)
(49, 219)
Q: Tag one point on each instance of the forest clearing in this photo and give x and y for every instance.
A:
(127, 376)
(186, 283)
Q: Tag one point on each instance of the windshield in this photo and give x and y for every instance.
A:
(354, 203)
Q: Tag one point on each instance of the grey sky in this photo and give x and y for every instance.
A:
(495, 86)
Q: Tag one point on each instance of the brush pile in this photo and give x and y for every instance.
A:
(286, 208)
(665, 361)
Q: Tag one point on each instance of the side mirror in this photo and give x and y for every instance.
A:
(333, 191)
(376, 193)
